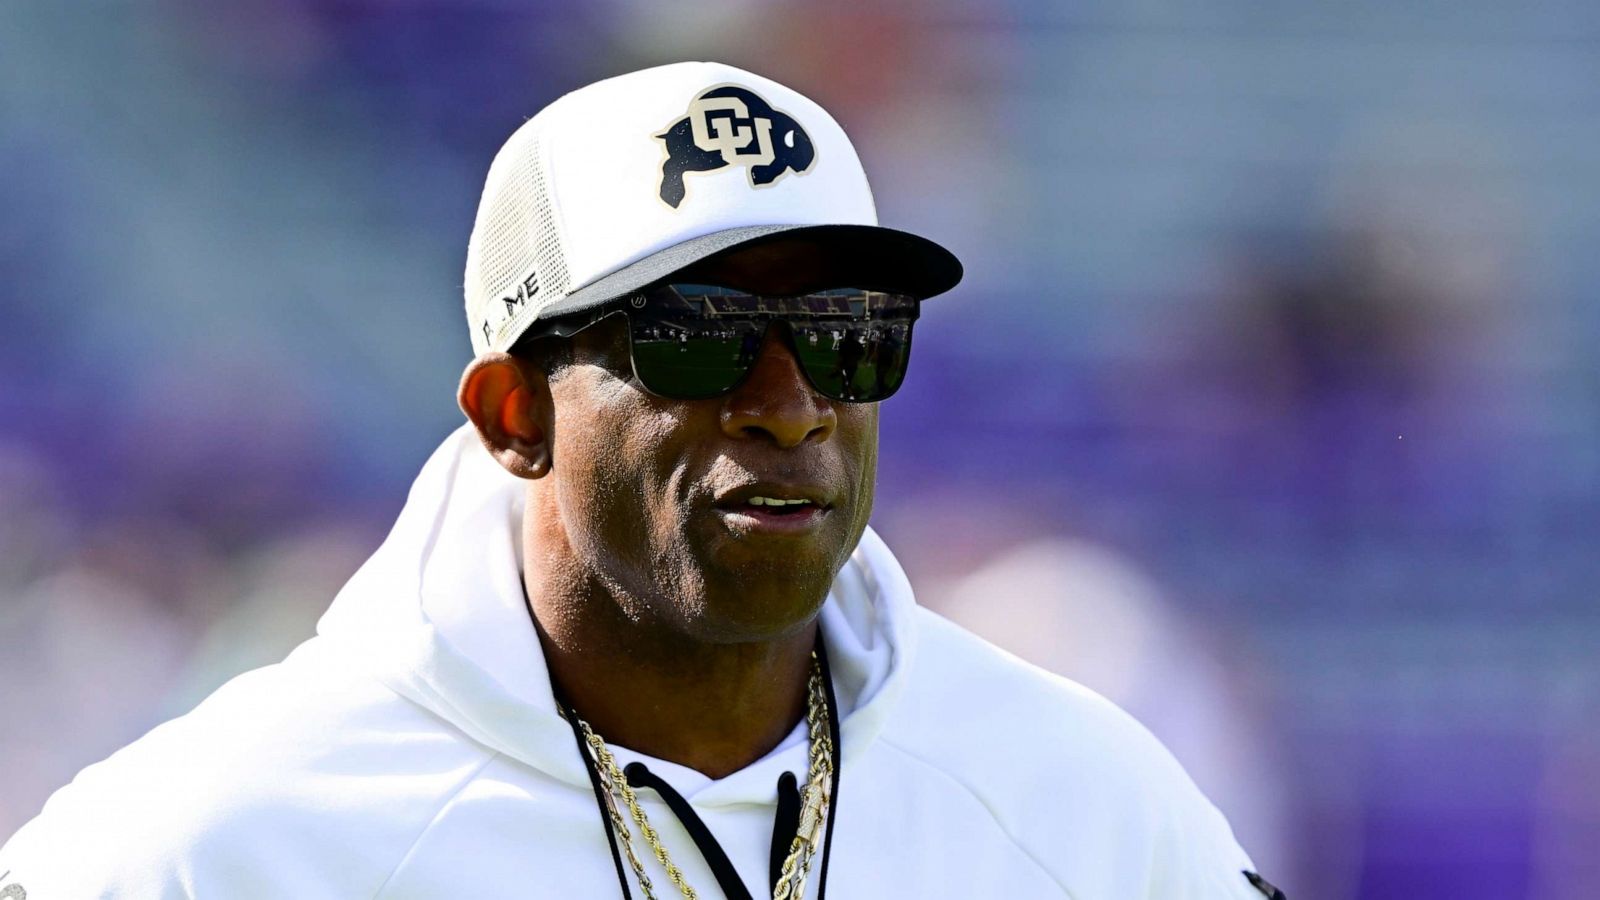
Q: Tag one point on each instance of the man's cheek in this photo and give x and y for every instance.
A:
(610, 503)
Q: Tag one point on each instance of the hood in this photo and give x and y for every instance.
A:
(438, 615)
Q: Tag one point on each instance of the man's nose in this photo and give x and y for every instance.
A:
(775, 401)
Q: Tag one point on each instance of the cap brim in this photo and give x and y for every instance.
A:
(874, 256)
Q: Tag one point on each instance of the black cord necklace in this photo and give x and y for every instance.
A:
(785, 825)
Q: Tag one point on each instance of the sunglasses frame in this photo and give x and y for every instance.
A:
(634, 304)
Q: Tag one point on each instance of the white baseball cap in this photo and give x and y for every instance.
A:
(619, 184)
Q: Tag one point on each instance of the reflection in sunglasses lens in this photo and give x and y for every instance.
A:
(695, 341)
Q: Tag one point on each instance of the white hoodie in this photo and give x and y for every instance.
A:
(413, 750)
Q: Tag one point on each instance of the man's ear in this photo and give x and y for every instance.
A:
(508, 401)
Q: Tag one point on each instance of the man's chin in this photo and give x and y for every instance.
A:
(760, 603)
(764, 588)
(799, 569)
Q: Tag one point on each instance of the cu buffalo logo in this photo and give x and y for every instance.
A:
(731, 126)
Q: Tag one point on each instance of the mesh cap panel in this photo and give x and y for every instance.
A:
(515, 265)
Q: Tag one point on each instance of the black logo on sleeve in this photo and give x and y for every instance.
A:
(731, 126)
(1264, 886)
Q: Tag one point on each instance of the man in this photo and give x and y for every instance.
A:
(631, 635)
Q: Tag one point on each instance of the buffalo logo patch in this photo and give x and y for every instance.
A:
(731, 126)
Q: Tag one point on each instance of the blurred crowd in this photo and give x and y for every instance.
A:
(1266, 408)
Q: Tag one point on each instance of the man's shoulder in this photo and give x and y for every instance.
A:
(1073, 778)
(998, 699)
(298, 777)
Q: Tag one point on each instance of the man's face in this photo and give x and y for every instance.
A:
(653, 492)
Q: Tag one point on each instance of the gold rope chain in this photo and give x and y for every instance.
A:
(813, 805)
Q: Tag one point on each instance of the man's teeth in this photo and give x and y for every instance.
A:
(773, 501)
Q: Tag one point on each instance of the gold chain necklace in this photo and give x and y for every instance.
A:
(813, 804)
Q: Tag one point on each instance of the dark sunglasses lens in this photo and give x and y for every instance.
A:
(857, 363)
(688, 362)
(698, 341)
(857, 348)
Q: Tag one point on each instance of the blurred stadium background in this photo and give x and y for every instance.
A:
(1267, 406)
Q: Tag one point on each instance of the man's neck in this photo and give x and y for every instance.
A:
(714, 708)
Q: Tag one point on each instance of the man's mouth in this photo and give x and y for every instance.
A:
(771, 509)
(779, 506)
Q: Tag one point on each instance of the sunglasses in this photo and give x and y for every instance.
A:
(697, 341)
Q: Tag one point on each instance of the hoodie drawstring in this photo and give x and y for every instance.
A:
(785, 824)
